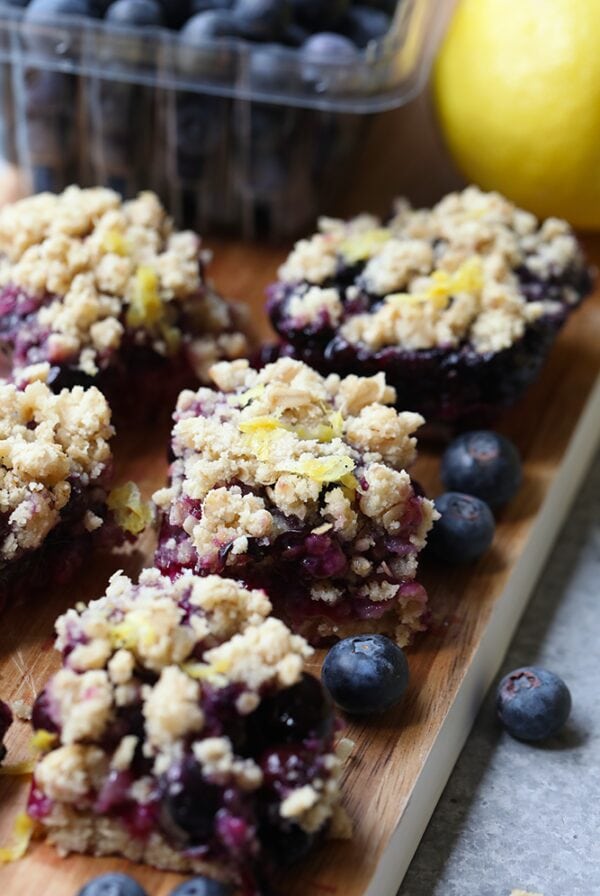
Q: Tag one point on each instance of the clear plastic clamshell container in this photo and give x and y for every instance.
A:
(240, 137)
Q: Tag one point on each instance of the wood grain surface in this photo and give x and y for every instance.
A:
(390, 750)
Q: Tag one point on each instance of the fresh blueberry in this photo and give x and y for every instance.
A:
(112, 884)
(484, 464)
(202, 886)
(190, 803)
(262, 20)
(142, 13)
(533, 703)
(318, 16)
(363, 24)
(14, 3)
(365, 674)
(464, 531)
(45, 10)
(294, 714)
(266, 70)
(204, 26)
(329, 47)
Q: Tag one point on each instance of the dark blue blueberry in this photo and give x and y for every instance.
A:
(112, 884)
(202, 886)
(265, 69)
(294, 714)
(482, 463)
(45, 10)
(464, 531)
(262, 20)
(329, 48)
(190, 803)
(365, 674)
(315, 15)
(204, 26)
(532, 703)
(14, 3)
(363, 24)
(139, 13)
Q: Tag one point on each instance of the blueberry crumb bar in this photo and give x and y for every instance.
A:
(296, 483)
(55, 472)
(183, 731)
(94, 290)
(458, 304)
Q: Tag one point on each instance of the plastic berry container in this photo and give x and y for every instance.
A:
(244, 138)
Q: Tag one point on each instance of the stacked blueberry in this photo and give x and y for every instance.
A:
(334, 30)
(481, 470)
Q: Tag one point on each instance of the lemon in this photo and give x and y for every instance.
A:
(517, 88)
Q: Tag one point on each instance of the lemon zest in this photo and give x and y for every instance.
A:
(134, 632)
(19, 768)
(43, 740)
(323, 469)
(322, 432)
(114, 242)
(361, 246)
(132, 513)
(146, 308)
(22, 832)
(212, 673)
(468, 278)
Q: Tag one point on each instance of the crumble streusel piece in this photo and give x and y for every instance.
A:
(458, 304)
(55, 470)
(97, 290)
(296, 483)
(182, 731)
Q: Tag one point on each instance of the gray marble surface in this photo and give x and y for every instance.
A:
(515, 816)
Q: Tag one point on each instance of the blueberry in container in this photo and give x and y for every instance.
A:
(244, 115)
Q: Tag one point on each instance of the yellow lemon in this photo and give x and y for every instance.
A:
(517, 87)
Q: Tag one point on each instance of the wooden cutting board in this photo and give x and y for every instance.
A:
(401, 761)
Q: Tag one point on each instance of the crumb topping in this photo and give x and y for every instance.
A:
(100, 267)
(436, 277)
(48, 445)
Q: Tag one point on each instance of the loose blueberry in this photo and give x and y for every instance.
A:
(139, 13)
(45, 10)
(482, 463)
(464, 531)
(328, 47)
(533, 703)
(365, 674)
(262, 19)
(203, 27)
(202, 886)
(363, 24)
(112, 884)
